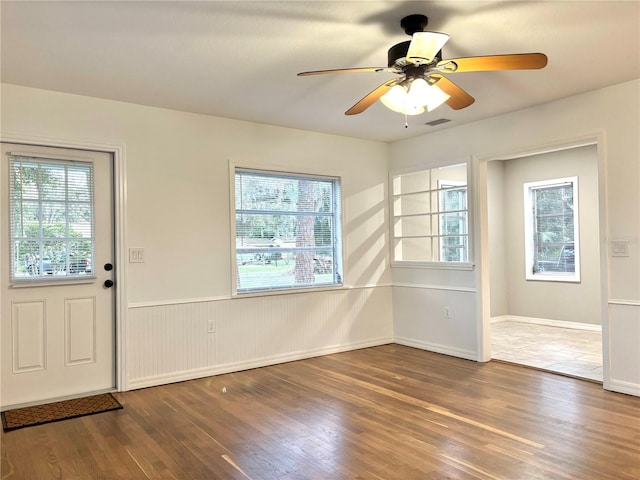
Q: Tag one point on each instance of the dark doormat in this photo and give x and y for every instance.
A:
(53, 412)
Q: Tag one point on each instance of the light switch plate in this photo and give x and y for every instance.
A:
(619, 248)
(136, 255)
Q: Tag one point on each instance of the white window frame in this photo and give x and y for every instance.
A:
(529, 231)
(466, 265)
(338, 226)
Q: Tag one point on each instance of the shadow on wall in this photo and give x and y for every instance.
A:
(367, 237)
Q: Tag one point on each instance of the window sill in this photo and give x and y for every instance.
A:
(287, 291)
(434, 265)
(553, 278)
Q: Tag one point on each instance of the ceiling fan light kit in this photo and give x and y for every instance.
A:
(420, 64)
(413, 96)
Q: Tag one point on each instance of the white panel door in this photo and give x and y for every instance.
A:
(57, 316)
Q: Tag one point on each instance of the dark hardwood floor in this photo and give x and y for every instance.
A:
(388, 412)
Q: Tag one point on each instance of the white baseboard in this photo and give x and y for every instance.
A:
(181, 376)
(434, 347)
(624, 387)
(548, 322)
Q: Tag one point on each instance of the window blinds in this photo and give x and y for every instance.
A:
(288, 231)
(51, 217)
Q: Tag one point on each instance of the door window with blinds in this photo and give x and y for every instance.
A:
(51, 218)
(551, 225)
(430, 216)
(287, 231)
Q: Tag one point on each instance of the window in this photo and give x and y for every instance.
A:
(430, 215)
(453, 221)
(551, 226)
(51, 211)
(287, 232)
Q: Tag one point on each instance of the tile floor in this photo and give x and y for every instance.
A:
(569, 351)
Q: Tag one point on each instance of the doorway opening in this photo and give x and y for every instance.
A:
(544, 261)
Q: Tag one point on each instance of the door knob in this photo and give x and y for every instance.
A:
(108, 267)
(108, 283)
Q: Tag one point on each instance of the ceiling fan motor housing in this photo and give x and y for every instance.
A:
(397, 52)
(410, 24)
(414, 23)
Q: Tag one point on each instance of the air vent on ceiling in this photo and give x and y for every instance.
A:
(433, 123)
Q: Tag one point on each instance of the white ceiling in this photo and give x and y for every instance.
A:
(239, 59)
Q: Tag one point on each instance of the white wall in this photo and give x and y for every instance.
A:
(178, 210)
(566, 301)
(177, 163)
(497, 239)
(611, 115)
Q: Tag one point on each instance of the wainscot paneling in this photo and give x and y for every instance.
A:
(624, 332)
(436, 318)
(173, 342)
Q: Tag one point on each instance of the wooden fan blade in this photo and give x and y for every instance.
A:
(459, 98)
(425, 46)
(520, 61)
(371, 98)
(343, 70)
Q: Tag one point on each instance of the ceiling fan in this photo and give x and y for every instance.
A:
(422, 82)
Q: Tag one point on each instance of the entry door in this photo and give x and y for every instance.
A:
(57, 318)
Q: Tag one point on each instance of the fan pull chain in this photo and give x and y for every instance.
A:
(406, 123)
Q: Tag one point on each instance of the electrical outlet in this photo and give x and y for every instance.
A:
(447, 312)
(211, 326)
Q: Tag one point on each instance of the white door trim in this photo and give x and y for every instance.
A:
(120, 234)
